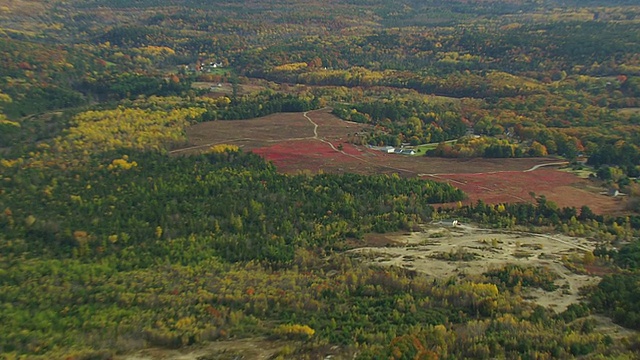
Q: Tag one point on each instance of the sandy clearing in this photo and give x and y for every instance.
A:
(492, 249)
(607, 326)
(255, 349)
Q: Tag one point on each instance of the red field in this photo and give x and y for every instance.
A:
(515, 186)
(289, 141)
(312, 155)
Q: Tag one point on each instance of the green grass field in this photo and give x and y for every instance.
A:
(426, 147)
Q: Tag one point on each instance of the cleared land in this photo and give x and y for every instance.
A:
(270, 130)
(258, 349)
(217, 89)
(564, 188)
(420, 251)
(296, 143)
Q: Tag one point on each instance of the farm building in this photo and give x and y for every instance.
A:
(404, 151)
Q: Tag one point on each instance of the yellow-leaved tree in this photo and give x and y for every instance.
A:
(221, 148)
(127, 128)
(294, 331)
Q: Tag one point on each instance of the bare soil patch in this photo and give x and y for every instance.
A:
(421, 251)
(254, 349)
(382, 240)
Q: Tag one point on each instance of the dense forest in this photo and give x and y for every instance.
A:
(110, 244)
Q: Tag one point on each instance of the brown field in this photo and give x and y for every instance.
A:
(269, 130)
(295, 145)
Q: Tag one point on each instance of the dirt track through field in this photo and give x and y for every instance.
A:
(317, 137)
(317, 140)
(359, 158)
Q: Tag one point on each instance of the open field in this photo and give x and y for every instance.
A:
(317, 141)
(268, 131)
(225, 88)
(492, 249)
(633, 110)
(311, 155)
(564, 188)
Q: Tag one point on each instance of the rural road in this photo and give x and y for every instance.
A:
(315, 126)
(315, 132)
(536, 167)
(547, 164)
(316, 136)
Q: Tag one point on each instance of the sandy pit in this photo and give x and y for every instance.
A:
(491, 249)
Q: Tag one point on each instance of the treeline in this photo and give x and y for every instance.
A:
(397, 121)
(261, 104)
(543, 212)
(518, 48)
(486, 147)
(225, 199)
(42, 78)
(454, 84)
(617, 294)
(623, 154)
(131, 85)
